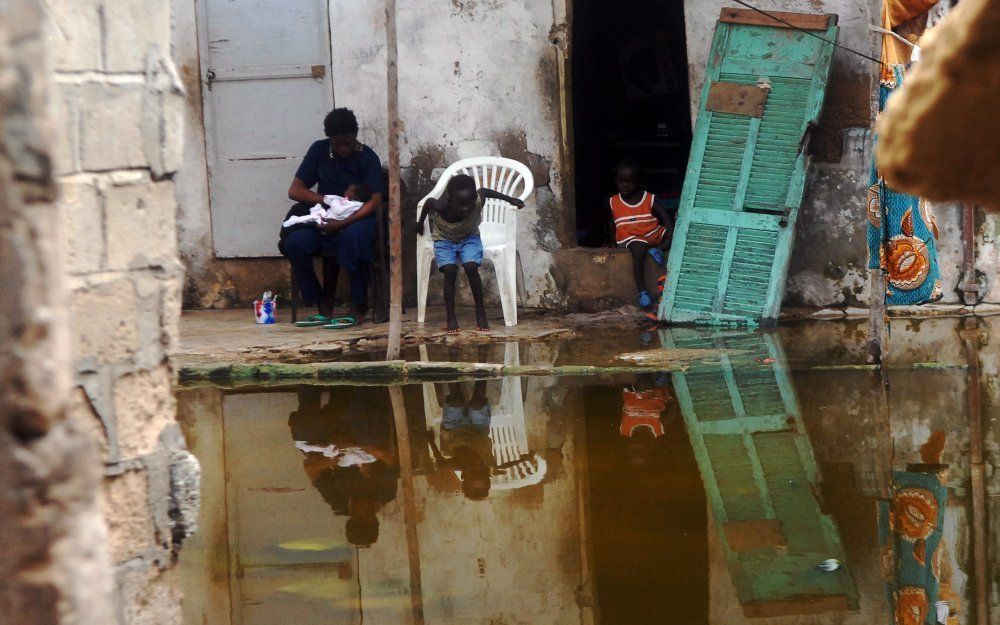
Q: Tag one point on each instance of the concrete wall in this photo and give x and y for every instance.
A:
(484, 78)
(51, 526)
(91, 273)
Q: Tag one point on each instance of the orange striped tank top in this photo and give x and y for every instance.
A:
(642, 409)
(636, 222)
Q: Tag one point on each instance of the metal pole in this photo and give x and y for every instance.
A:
(395, 216)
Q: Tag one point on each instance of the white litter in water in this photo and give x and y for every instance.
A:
(829, 565)
(353, 456)
(348, 457)
(330, 451)
(943, 611)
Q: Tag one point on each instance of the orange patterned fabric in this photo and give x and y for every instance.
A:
(894, 13)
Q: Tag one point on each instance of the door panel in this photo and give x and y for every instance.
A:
(760, 475)
(746, 175)
(266, 87)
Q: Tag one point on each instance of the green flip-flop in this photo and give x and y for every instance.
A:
(347, 321)
(312, 322)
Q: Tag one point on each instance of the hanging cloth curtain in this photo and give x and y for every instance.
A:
(902, 231)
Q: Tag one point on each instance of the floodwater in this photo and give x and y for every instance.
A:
(710, 495)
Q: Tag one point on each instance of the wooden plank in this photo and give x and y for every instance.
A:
(736, 98)
(804, 21)
(395, 216)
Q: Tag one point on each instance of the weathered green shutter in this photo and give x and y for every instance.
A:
(761, 478)
(746, 172)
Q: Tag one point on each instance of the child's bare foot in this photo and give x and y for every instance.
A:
(482, 323)
(452, 326)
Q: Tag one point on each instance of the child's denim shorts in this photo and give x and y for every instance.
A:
(451, 253)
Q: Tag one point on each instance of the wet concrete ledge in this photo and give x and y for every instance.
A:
(402, 372)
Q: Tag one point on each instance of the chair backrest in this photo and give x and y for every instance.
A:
(503, 175)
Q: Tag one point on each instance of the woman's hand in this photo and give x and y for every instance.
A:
(331, 227)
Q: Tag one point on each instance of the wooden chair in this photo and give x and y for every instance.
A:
(379, 270)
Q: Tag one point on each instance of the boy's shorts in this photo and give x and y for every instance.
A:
(451, 253)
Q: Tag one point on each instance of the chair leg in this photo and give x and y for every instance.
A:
(293, 294)
(423, 283)
(507, 285)
(380, 293)
(331, 273)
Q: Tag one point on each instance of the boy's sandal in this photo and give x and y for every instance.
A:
(311, 322)
(340, 323)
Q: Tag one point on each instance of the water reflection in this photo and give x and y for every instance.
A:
(349, 453)
(761, 477)
(704, 496)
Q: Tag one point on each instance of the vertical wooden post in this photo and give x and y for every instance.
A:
(395, 216)
(876, 302)
(969, 286)
(977, 472)
(409, 503)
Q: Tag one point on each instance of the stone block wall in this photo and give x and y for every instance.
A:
(117, 97)
(90, 141)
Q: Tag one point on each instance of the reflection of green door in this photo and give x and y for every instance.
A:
(760, 475)
(746, 172)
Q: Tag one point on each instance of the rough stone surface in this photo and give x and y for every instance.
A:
(144, 405)
(939, 136)
(88, 260)
(53, 531)
(103, 336)
(140, 223)
(130, 528)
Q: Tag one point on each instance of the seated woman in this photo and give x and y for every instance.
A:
(332, 165)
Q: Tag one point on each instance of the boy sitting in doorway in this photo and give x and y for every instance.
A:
(455, 223)
(641, 224)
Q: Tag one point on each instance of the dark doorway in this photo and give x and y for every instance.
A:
(630, 100)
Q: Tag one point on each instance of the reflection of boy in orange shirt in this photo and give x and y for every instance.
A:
(642, 410)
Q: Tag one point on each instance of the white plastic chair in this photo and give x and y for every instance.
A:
(498, 230)
(508, 429)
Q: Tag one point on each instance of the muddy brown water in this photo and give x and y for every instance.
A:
(711, 495)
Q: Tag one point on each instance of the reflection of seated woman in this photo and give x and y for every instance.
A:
(465, 439)
(363, 421)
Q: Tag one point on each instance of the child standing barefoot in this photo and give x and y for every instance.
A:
(455, 223)
(641, 224)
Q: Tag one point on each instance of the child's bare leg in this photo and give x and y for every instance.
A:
(450, 274)
(478, 399)
(476, 283)
(639, 250)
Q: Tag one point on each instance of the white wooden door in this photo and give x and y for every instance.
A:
(265, 67)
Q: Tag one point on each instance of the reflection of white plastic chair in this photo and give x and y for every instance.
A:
(508, 430)
(498, 229)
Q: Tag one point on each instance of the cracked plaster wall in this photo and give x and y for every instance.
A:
(482, 78)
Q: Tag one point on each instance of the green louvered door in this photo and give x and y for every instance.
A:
(760, 475)
(746, 172)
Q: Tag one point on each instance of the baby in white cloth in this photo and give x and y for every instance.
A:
(334, 207)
